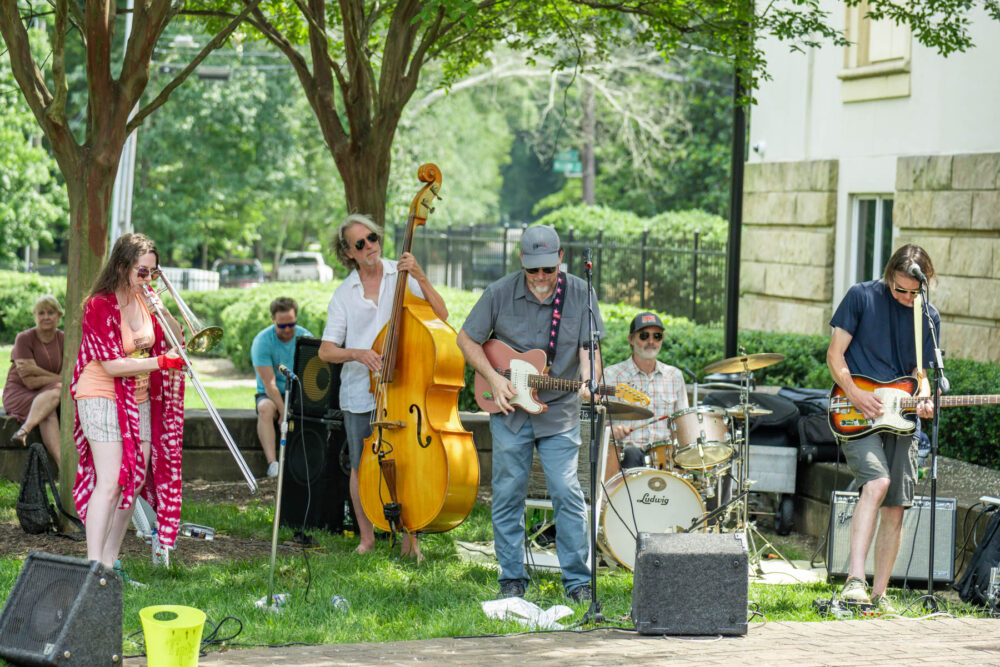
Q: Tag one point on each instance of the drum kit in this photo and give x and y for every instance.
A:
(696, 480)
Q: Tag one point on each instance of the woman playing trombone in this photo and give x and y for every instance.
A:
(129, 403)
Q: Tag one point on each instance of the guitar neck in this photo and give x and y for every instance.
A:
(952, 401)
(559, 384)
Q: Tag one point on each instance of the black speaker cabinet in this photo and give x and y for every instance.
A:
(63, 611)
(320, 395)
(690, 584)
(911, 563)
(316, 485)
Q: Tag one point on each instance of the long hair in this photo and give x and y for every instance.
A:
(340, 243)
(127, 251)
(902, 259)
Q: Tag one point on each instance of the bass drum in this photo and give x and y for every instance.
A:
(660, 501)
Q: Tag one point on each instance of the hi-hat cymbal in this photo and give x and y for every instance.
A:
(622, 410)
(753, 410)
(746, 362)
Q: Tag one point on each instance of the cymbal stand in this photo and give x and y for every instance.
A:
(743, 482)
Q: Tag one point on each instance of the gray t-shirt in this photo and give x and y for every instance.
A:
(509, 312)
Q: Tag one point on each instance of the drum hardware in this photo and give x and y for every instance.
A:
(623, 410)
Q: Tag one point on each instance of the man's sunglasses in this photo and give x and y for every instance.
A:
(903, 290)
(371, 238)
(644, 335)
(548, 270)
(285, 326)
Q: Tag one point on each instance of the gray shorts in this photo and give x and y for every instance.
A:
(99, 420)
(357, 427)
(885, 455)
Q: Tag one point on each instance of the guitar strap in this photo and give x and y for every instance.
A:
(918, 330)
(557, 306)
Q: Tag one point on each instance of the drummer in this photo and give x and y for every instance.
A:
(662, 383)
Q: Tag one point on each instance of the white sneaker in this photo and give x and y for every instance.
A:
(272, 469)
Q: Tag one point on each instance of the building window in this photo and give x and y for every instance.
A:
(877, 62)
(872, 236)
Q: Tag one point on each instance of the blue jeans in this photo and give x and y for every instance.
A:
(512, 454)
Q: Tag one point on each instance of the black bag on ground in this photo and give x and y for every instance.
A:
(34, 511)
(974, 585)
(816, 441)
(776, 429)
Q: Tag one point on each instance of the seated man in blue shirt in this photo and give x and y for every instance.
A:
(272, 347)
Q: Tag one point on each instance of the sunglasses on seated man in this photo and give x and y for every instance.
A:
(644, 335)
(547, 269)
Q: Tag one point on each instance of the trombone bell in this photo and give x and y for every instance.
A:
(202, 338)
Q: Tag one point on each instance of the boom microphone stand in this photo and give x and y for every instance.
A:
(289, 378)
(939, 385)
(594, 613)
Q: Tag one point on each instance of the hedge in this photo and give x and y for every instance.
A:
(966, 433)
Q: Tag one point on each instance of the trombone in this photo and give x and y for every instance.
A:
(202, 339)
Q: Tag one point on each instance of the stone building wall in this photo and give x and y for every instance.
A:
(950, 205)
(787, 251)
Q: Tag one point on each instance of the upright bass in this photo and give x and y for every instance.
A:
(419, 469)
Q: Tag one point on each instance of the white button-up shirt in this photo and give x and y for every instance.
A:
(353, 321)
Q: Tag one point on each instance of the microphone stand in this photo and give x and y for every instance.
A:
(277, 495)
(939, 383)
(593, 614)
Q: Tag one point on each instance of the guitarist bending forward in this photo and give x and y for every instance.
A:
(537, 308)
(874, 335)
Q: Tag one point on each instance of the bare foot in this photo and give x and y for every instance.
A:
(411, 549)
(364, 548)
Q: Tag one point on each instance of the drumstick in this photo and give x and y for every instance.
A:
(641, 426)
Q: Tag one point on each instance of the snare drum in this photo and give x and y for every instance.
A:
(659, 501)
(701, 437)
(660, 454)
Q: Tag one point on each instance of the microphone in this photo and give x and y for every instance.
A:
(587, 258)
(283, 369)
(915, 271)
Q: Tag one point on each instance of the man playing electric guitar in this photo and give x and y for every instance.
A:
(874, 335)
(538, 308)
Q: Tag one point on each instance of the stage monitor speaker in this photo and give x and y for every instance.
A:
(320, 395)
(63, 611)
(316, 484)
(690, 584)
(911, 563)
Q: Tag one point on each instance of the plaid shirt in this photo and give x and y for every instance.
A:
(665, 388)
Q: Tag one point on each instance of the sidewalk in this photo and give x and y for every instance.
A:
(934, 641)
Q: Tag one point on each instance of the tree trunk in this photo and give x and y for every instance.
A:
(365, 172)
(89, 205)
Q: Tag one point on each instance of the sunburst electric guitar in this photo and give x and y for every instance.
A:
(526, 371)
(898, 406)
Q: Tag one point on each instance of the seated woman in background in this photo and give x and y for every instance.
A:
(34, 383)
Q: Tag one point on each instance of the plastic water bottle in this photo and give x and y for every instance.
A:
(340, 603)
(161, 555)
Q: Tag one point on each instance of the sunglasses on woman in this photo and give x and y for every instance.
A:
(371, 238)
(549, 270)
(644, 335)
(142, 272)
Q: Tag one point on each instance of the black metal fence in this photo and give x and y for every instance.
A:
(678, 276)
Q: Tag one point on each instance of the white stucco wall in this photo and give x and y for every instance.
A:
(953, 107)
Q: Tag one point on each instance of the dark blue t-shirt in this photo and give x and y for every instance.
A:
(882, 345)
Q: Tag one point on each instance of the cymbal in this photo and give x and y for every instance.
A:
(754, 410)
(749, 362)
(622, 410)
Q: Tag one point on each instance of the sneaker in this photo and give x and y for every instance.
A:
(855, 590)
(512, 588)
(580, 594)
(885, 604)
(272, 469)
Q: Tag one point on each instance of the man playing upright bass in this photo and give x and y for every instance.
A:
(874, 336)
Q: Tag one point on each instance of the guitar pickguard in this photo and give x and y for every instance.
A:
(520, 372)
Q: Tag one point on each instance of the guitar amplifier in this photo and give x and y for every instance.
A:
(911, 563)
